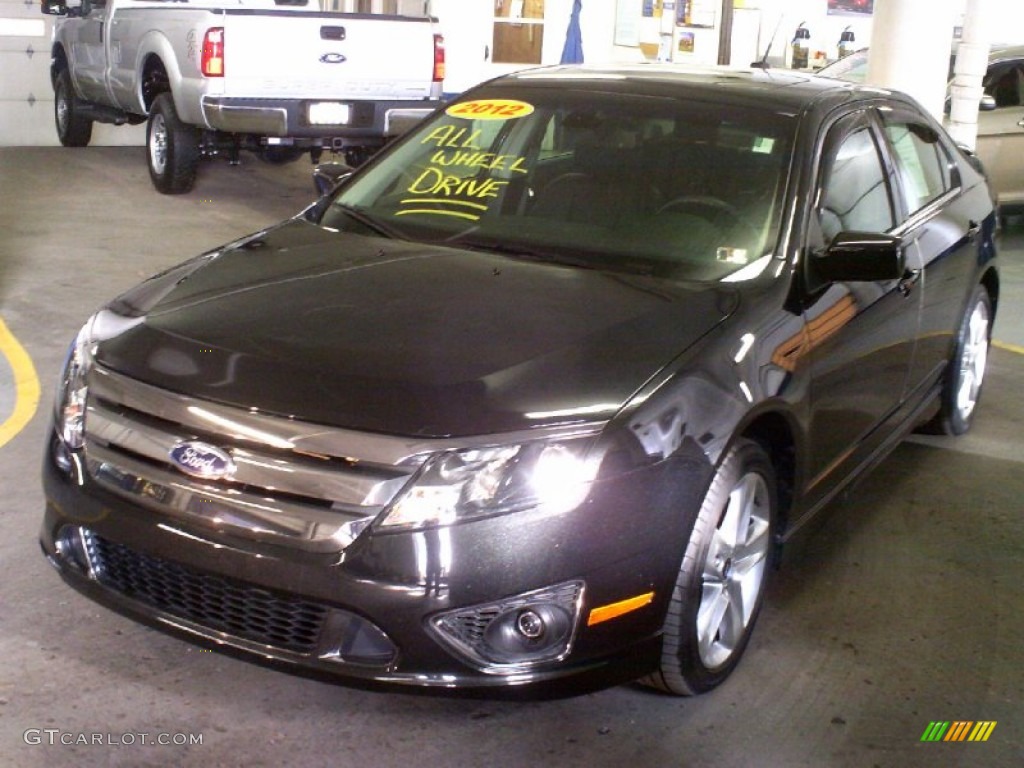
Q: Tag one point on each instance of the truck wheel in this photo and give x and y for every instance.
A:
(172, 148)
(73, 129)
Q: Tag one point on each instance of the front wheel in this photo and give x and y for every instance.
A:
(721, 581)
(966, 370)
(73, 129)
(172, 148)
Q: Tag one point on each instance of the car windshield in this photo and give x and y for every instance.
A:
(653, 185)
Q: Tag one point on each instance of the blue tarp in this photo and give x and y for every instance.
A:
(572, 52)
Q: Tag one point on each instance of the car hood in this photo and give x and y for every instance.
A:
(404, 338)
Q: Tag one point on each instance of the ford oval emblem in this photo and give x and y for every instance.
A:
(332, 58)
(202, 460)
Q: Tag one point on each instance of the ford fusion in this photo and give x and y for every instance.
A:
(532, 400)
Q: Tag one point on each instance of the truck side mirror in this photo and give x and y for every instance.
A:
(54, 7)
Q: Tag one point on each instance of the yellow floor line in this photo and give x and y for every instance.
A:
(1009, 347)
(26, 385)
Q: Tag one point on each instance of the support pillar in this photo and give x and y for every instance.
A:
(911, 41)
(971, 64)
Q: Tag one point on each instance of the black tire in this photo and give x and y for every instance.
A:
(965, 372)
(73, 129)
(172, 148)
(718, 595)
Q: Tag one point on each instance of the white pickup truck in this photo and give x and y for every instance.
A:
(213, 77)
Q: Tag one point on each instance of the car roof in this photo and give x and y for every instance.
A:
(838, 68)
(1001, 52)
(776, 89)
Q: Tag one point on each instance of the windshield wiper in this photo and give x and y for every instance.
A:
(525, 252)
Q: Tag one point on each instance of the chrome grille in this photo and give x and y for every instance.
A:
(215, 602)
(298, 484)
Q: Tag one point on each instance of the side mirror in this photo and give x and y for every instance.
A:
(987, 103)
(54, 7)
(861, 257)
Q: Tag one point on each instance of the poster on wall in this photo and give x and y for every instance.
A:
(851, 7)
(627, 22)
(696, 13)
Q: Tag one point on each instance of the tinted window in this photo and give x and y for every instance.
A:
(1005, 83)
(921, 160)
(855, 196)
(645, 184)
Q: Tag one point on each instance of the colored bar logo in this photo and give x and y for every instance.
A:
(958, 730)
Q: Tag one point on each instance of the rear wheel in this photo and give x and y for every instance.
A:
(73, 129)
(721, 581)
(172, 148)
(966, 370)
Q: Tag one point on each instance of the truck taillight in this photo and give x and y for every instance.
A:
(212, 62)
(438, 58)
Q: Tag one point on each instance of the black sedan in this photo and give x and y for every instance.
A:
(532, 400)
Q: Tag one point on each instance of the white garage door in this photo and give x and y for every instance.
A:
(26, 98)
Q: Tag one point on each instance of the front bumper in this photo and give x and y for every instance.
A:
(368, 120)
(325, 613)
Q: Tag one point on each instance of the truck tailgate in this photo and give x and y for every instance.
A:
(326, 55)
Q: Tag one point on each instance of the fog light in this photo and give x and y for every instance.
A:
(540, 631)
(73, 545)
(517, 632)
(530, 624)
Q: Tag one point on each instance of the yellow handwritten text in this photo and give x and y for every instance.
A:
(452, 137)
(491, 109)
(433, 181)
(487, 160)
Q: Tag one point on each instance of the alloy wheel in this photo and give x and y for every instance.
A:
(158, 143)
(973, 358)
(733, 573)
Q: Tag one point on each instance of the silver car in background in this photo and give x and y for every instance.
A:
(1000, 144)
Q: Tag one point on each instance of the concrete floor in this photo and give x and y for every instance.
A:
(902, 606)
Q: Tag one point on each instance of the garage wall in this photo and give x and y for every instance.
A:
(26, 98)
(23, 66)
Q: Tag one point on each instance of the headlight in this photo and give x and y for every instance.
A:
(554, 476)
(71, 391)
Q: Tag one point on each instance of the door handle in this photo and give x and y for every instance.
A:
(973, 227)
(1021, 122)
(908, 281)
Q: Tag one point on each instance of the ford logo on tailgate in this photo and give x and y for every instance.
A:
(202, 460)
(332, 58)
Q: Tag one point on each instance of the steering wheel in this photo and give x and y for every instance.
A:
(713, 209)
(717, 212)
